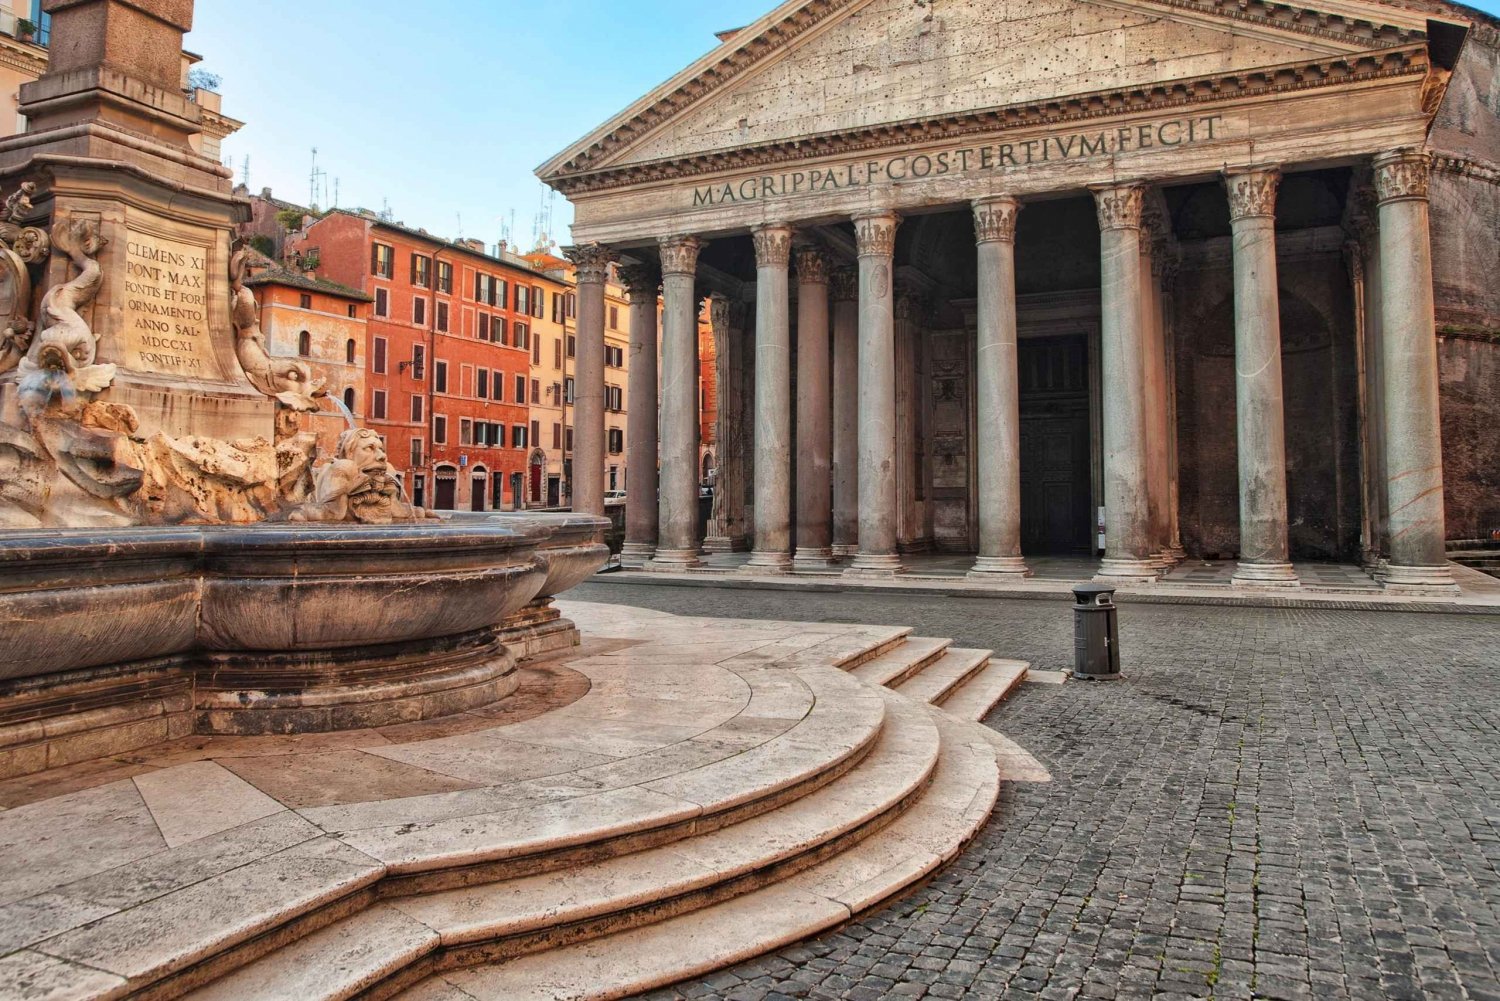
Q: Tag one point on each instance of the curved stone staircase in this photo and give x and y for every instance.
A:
(841, 770)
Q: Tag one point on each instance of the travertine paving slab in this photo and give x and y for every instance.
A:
(189, 802)
(52, 842)
(32, 976)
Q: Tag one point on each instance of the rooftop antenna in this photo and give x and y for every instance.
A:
(335, 192)
(245, 171)
(460, 224)
(312, 180)
(385, 209)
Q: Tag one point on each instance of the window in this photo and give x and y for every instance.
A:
(568, 389)
(536, 346)
(305, 301)
(536, 432)
(614, 398)
(304, 344)
(417, 409)
(418, 310)
(556, 435)
(572, 346)
(572, 306)
(497, 435)
(522, 337)
(556, 393)
(416, 451)
(518, 436)
(614, 477)
(497, 330)
(484, 289)
(349, 350)
(557, 307)
(520, 389)
(382, 261)
(568, 440)
(377, 405)
(557, 354)
(439, 429)
(442, 316)
(377, 363)
(382, 302)
(353, 311)
(484, 326)
(418, 361)
(536, 391)
(421, 270)
(481, 433)
(418, 489)
(349, 399)
(616, 441)
(440, 376)
(614, 318)
(465, 431)
(445, 277)
(482, 383)
(502, 288)
(523, 299)
(497, 387)
(538, 298)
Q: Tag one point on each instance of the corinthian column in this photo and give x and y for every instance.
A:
(1154, 373)
(1127, 523)
(678, 546)
(998, 443)
(726, 527)
(641, 284)
(592, 263)
(1259, 408)
(843, 289)
(814, 414)
(876, 236)
(773, 393)
(1408, 343)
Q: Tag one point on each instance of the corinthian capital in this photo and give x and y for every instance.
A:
(641, 282)
(995, 219)
(875, 233)
(679, 255)
(1252, 193)
(773, 245)
(812, 266)
(1120, 207)
(843, 284)
(592, 260)
(1401, 174)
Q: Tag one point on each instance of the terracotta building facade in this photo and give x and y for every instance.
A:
(1136, 282)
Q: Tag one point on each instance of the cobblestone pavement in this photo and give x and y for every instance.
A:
(1276, 803)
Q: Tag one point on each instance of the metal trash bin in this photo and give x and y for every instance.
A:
(1096, 637)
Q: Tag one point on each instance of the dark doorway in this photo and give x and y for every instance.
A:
(446, 490)
(476, 492)
(1056, 506)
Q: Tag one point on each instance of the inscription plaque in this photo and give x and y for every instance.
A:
(166, 308)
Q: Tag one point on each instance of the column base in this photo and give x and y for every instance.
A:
(999, 568)
(1264, 575)
(1176, 553)
(673, 560)
(725, 544)
(635, 554)
(813, 558)
(845, 550)
(1437, 580)
(875, 565)
(1128, 570)
(762, 562)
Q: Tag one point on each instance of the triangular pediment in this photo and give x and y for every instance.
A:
(822, 67)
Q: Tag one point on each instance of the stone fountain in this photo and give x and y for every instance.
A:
(175, 557)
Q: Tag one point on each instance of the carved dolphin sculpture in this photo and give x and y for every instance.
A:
(290, 381)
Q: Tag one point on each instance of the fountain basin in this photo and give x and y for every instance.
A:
(112, 641)
(573, 551)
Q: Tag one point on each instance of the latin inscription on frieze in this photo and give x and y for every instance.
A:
(166, 307)
(1086, 144)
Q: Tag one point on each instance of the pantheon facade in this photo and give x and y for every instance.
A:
(1128, 279)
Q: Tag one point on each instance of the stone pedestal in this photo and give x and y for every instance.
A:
(1259, 407)
(876, 556)
(998, 444)
(773, 403)
(1128, 554)
(1413, 431)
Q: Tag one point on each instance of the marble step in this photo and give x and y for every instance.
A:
(974, 699)
(901, 661)
(555, 908)
(938, 680)
(957, 803)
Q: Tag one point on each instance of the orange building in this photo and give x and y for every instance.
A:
(448, 354)
(324, 323)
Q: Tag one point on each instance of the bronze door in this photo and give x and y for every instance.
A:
(1055, 483)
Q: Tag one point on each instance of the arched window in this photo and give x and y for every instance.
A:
(349, 396)
(304, 344)
(349, 351)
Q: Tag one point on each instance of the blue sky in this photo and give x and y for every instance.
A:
(442, 114)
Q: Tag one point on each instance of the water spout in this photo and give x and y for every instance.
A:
(344, 409)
